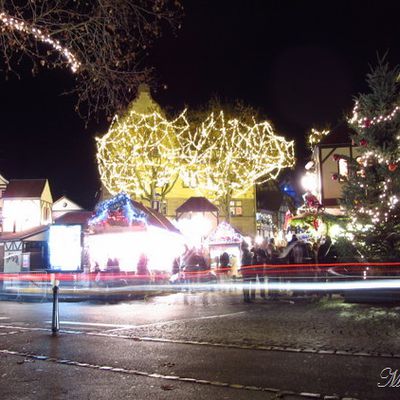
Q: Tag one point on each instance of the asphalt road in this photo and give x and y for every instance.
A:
(199, 345)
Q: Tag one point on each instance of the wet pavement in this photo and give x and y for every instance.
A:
(201, 345)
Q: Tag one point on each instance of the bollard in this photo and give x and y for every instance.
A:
(55, 321)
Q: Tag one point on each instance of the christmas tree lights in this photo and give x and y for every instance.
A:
(371, 191)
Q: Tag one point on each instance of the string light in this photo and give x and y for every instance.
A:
(364, 122)
(140, 154)
(22, 26)
(229, 157)
(316, 136)
(118, 210)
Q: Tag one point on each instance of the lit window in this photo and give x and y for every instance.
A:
(236, 208)
(343, 168)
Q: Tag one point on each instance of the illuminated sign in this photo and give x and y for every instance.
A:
(65, 247)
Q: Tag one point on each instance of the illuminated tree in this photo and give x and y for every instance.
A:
(371, 192)
(140, 155)
(100, 41)
(315, 136)
(227, 157)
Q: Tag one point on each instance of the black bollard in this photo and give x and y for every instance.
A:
(55, 321)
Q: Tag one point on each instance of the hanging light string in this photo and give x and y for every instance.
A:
(364, 122)
(21, 26)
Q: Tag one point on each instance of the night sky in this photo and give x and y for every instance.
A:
(299, 62)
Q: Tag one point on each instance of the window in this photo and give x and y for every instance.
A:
(236, 208)
(343, 169)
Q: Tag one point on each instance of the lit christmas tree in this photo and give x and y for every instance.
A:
(371, 190)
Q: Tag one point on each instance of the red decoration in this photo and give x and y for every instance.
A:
(335, 177)
(311, 200)
(367, 123)
(363, 142)
(337, 157)
(392, 167)
(316, 224)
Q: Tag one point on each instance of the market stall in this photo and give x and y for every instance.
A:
(224, 239)
(124, 234)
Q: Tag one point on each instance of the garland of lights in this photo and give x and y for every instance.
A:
(229, 157)
(38, 34)
(316, 136)
(364, 122)
(117, 211)
(140, 154)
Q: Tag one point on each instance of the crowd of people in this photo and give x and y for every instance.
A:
(258, 262)
(268, 261)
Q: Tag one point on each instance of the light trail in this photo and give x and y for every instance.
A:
(334, 277)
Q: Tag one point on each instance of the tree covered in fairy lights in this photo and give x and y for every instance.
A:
(372, 189)
(140, 155)
(226, 157)
(102, 42)
(144, 154)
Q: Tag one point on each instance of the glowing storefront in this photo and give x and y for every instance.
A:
(122, 231)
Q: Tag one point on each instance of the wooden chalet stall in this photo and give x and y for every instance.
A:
(225, 239)
(123, 231)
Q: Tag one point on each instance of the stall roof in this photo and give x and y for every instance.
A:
(155, 218)
(197, 204)
(25, 188)
(10, 236)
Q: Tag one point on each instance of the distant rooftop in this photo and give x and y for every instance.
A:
(25, 188)
(197, 204)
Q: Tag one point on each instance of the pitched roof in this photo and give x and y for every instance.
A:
(155, 218)
(63, 202)
(74, 218)
(197, 204)
(8, 236)
(25, 188)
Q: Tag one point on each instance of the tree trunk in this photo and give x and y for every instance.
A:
(226, 206)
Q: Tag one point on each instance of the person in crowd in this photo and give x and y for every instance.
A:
(224, 266)
(326, 254)
(293, 239)
(246, 271)
(142, 270)
(234, 267)
(273, 276)
(175, 266)
(259, 261)
(116, 267)
(271, 249)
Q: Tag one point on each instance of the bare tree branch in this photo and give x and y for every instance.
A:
(103, 42)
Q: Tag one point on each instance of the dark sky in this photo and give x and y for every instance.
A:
(300, 62)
